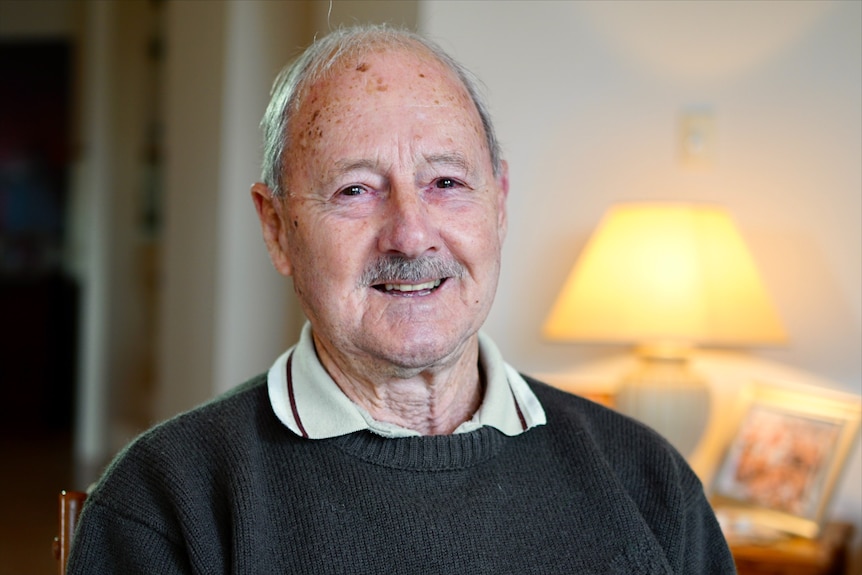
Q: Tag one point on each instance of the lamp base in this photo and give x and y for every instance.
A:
(668, 396)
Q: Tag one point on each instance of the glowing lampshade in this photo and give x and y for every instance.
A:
(654, 273)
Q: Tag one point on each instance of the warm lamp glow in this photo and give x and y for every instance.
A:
(666, 277)
(665, 272)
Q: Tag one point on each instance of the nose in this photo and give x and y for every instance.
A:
(408, 229)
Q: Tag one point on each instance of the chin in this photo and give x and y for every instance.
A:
(420, 352)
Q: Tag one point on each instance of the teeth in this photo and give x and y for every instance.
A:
(413, 287)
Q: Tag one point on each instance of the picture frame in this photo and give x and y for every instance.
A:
(780, 467)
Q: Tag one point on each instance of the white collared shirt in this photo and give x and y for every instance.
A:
(307, 400)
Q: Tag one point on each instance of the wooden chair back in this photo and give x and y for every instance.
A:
(71, 503)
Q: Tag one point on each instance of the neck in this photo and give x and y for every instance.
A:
(432, 401)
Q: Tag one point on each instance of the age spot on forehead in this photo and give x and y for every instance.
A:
(378, 85)
(362, 67)
(313, 118)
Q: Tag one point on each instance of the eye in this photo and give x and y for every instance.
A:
(446, 183)
(354, 190)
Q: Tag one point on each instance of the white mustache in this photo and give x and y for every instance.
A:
(395, 269)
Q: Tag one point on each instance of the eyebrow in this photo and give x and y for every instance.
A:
(344, 166)
(453, 159)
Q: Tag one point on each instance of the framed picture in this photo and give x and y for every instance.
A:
(779, 469)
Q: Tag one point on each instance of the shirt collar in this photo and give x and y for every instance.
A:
(308, 402)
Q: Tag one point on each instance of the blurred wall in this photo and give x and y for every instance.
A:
(210, 161)
(104, 244)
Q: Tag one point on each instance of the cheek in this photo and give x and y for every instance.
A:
(476, 241)
(326, 256)
(479, 219)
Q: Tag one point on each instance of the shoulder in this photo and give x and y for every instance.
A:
(627, 456)
(566, 409)
(198, 449)
(628, 453)
(241, 412)
(632, 450)
(171, 488)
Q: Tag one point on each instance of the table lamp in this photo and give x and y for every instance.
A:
(665, 277)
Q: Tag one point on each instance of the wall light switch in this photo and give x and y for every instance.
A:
(696, 139)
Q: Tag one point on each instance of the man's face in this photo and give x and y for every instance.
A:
(388, 162)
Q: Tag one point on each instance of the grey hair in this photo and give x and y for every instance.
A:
(318, 59)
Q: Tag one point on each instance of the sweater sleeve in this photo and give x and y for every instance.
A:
(107, 542)
(705, 550)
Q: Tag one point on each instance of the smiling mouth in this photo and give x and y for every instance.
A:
(410, 290)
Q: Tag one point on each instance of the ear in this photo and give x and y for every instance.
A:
(503, 189)
(273, 224)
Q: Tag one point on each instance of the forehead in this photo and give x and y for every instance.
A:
(381, 78)
(378, 69)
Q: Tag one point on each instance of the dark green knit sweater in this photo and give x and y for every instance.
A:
(226, 488)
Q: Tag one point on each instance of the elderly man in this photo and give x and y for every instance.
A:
(393, 438)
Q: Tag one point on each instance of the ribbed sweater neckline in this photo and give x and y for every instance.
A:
(427, 453)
